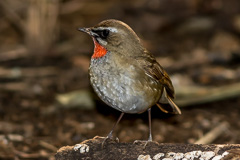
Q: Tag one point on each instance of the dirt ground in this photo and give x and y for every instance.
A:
(197, 42)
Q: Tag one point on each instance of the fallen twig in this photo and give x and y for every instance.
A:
(28, 72)
(197, 95)
(13, 54)
(213, 134)
(48, 146)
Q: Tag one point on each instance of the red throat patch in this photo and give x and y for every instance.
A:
(99, 51)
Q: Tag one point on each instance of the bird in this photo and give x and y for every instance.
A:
(125, 75)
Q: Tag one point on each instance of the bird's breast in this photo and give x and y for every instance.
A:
(122, 87)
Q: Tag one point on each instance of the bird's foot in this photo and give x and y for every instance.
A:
(116, 140)
(145, 142)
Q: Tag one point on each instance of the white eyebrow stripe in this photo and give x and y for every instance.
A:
(112, 29)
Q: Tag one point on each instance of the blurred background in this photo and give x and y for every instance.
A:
(46, 100)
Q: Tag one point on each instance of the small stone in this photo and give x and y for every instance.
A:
(170, 154)
(78, 99)
(144, 157)
(82, 148)
(217, 157)
(189, 155)
(158, 156)
(207, 155)
(179, 156)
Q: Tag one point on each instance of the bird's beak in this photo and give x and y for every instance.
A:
(88, 31)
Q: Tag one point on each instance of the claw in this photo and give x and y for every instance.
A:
(110, 135)
(143, 141)
(111, 138)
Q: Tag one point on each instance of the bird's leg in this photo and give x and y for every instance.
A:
(150, 129)
(109, 136)
(150, 125)
(110, 133)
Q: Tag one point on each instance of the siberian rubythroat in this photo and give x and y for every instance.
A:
(125, 75)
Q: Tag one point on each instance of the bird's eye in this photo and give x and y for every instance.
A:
(104, 33)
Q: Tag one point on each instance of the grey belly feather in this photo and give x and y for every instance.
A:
(121, 90)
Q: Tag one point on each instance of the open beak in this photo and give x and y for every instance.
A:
(88, 31)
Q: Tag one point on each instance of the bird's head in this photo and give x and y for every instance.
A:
(113, 36)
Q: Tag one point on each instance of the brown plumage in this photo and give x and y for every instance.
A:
(125, 75)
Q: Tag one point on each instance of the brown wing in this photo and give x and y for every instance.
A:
(155, 70)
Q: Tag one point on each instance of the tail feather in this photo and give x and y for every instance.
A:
(161, 108)
(165, 99)
(175, 108)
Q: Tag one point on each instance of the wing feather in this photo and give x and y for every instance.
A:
(153, 69)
